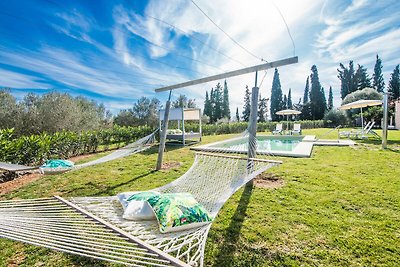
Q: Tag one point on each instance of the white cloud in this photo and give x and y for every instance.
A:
(18, 80)
(325, 32)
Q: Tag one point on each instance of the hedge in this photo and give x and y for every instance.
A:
(35, 149)
(238, 127)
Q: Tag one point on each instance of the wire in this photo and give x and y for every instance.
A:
(197, 39)
(94, 68)
(262, 80)
(233, 40)
(155, 60)
(287, 27)
(160, 46)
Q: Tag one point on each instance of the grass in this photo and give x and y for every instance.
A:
(341, 207)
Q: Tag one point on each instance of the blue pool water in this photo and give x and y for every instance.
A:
(264, 144)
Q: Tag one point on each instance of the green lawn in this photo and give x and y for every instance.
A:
(341, 207)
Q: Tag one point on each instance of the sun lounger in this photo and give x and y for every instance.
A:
(296, 129)
(15, 167)
(348, 134)
(278, 129)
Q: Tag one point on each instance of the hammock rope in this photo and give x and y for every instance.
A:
(139, 145)
(94, 227)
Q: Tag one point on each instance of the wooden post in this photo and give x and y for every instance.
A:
(385, 121)
(225, 75)
(183, 126)
(251, 152)
(200, 131)
(163, 133)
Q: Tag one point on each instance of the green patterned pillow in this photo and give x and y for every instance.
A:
(136, 206)
(178, 211)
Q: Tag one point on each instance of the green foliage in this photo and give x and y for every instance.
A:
(378, 82)
(284, 103)
(51, 112)
(216, 101)
(341, 189)
(35, 149)
(289, 100)
(262, 109)
(375, 114)
(237, 115)
(9, 110)
(207, 106)
(247, 105)
(306, 96)
(226, 113)
(367, 93)
(348, 80)
(183, 102)
(330, 99)
(394, 83)
(239, 127)
(317, 96)
(334, 118)
(216, 107)
(363, 81)
(276, 96)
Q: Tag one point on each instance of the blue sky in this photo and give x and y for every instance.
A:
(117, 51)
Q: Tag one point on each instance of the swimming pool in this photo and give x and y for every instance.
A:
(292, 146)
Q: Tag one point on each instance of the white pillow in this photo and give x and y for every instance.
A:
(137, 208)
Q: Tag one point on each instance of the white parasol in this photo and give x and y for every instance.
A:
(288, 112)
(361, 104)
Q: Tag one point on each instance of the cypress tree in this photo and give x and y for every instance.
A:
(237, 114)
(289, 99)
(394, 84)
(226, 113)
(348, 79)
(276, 96)
(378, 82)
(323, 102)
(305, 108)
(218, 102)
(306, 92)
(262, 109)
(212, 106)
(207, 107)
(247, 104)
(285, 101)
(317, 97)
(330, 99)
(363, 81)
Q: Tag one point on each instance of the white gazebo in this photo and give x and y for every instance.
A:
(181, 115)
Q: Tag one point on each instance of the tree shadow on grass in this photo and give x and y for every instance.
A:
(232, 233)
(109, 190)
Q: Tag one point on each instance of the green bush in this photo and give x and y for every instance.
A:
(334, 118)
(239, 127)
(35, 149)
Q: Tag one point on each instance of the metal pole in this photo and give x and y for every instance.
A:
(385, 121)
(163, 133)
(362, 124)
(251, 153)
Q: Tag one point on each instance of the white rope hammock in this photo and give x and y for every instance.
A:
(139, 145)
(94, 227)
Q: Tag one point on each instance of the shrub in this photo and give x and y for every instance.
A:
(334, 118)
(35, 149)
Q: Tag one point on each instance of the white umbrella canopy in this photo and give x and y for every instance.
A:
(288, 112)
(361, 104)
